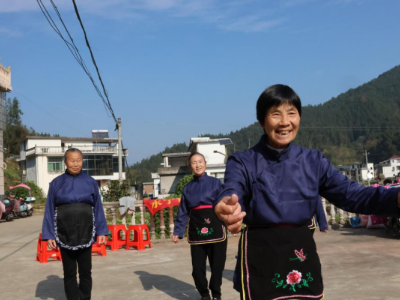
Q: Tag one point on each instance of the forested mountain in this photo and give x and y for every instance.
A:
(367, 117)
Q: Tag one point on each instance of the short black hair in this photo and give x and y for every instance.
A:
(196, 153)
(275, 96)
(72, 150)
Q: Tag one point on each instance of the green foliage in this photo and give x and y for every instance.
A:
(15, 131)
(181, 184)
(36, 192)
(115, 191)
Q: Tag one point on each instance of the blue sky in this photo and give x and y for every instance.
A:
(175, 68)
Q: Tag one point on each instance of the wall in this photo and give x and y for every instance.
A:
(168, 183)
(31, 143)
(207, 149)
(31, 169)
(177, 161)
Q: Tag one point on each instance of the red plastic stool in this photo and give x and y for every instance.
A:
(100, 249)
(42, 253)
(116, 240)
(138, 241)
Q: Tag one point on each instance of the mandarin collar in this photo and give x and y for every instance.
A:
(72, 175)
(202, 177)
(271, 153)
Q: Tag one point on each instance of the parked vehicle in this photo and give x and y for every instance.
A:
(29, 201)
(8, 215)
(23, 209)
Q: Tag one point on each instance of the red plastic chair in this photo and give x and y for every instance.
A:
(138, 242)
(100, 249)
(43, 254)
(116, 240)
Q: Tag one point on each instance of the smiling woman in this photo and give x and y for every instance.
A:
(206, 234)
(275, 189)
(279, 112)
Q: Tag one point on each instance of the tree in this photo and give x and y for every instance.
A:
(116, 190)
(181, 184)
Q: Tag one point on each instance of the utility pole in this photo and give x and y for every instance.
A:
(366, 159)
(119, 150)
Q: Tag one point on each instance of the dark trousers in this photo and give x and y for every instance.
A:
(82, 260)
(216, 253)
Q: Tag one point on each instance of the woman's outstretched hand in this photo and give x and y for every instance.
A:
(230, 212)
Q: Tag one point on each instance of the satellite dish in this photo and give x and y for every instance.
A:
(370, 176)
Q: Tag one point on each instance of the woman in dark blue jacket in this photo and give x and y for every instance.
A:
(73, 218)
(274, 189)
(206, 233)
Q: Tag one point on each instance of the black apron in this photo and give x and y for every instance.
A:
(74, 226)
(278, 262)
(204, 226)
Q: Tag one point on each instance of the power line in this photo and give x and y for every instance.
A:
(73, 49)
(57, 118)
(94, 61)
(76, 54)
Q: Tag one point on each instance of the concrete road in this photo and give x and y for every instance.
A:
(357, 264)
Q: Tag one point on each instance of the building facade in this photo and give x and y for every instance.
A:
(358, 172)
(390, 168)
(175, 165)
(5, 87)
(42, 159)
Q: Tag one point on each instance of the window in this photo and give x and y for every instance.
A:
(115, 164)
(97, 165)
(55, 164)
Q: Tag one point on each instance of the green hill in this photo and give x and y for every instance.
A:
(367, 117)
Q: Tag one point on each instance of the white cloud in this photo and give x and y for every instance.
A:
(9, 32)
(234, 15)
(252, 24)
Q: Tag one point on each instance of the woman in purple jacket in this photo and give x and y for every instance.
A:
(73, 218)
(274, 189)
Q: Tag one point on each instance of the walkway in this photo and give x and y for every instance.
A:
(357, 264)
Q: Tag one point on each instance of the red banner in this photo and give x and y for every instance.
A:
(159, 204)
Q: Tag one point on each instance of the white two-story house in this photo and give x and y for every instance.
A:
(42, 158)
(390, 167)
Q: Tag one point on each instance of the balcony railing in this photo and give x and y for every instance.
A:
(110, 208)
(164, 232)
(39, 150)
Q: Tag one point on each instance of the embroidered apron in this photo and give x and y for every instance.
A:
(204, 226)
(74, 226)
(278, 263)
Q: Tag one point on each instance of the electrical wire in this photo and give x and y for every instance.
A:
(72, 48)
(76, 54)
(57, 118)
(93, 60)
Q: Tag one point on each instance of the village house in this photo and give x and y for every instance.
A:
(390, 168)
(175, 165)
(358, 172)
(42, 158)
